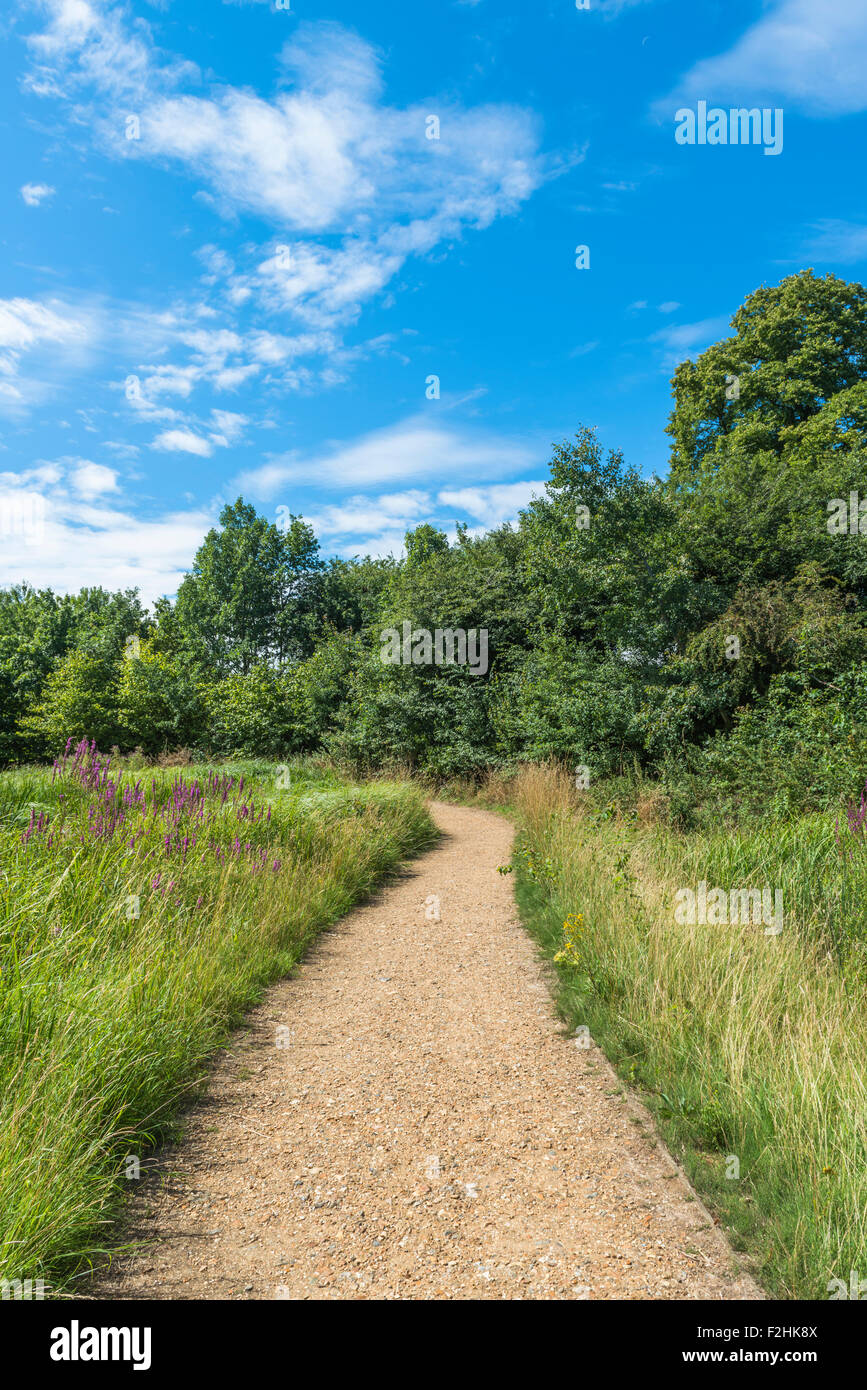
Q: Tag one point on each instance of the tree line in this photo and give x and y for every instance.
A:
(706, 628)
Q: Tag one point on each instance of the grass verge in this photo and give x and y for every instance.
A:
(749, 1049)
(141, 915)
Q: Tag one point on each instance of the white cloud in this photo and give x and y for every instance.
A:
(72, 22)
(183, 441)
(57, 529)
(325, 155)
(378, 546)
(351, 184)
(811, 55)
(228, 426)
(72, 546)
(395, 512)
(217, 357)
(230, 378)
(169, 380)
(26, 322)
(42, 475)
(26, 327)
(321, 155)
(492, 505)
(212, 345)
(87, 43)
(93, 479)
(35, 193)
(413, 449)
(681, 340)
(376, 525)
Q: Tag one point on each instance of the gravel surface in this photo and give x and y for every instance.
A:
(404, 1118)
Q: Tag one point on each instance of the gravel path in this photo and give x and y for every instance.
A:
(405, 1118)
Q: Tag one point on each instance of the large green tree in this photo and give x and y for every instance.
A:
(769, 426)
(38, 629)
(430, 716)
(247, 599)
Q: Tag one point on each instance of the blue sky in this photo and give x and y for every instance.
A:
(232, 259)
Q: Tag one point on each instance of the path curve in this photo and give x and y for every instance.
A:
(427, 1130)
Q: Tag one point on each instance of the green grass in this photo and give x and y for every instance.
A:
(824, 894)
(115, 992)
(746, 1047)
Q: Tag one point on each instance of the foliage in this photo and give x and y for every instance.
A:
(245, 601)
(706, 629)
(161, 705)
(79, 700)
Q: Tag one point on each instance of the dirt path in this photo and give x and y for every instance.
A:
(423, 1129)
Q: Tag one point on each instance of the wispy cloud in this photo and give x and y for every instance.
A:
(228, 426)
(28, 327)
(813, 56)
(416, 448)
(324, 154)
(35, 193)
(365, 516)
(612, 9)
(350, 183)
(836, 241)
(183, 441)
(681, 340)
(377, 524)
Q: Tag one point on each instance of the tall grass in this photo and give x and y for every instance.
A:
(136, 927)
(750, 1047)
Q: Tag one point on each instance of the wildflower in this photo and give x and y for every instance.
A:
(573, 930)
